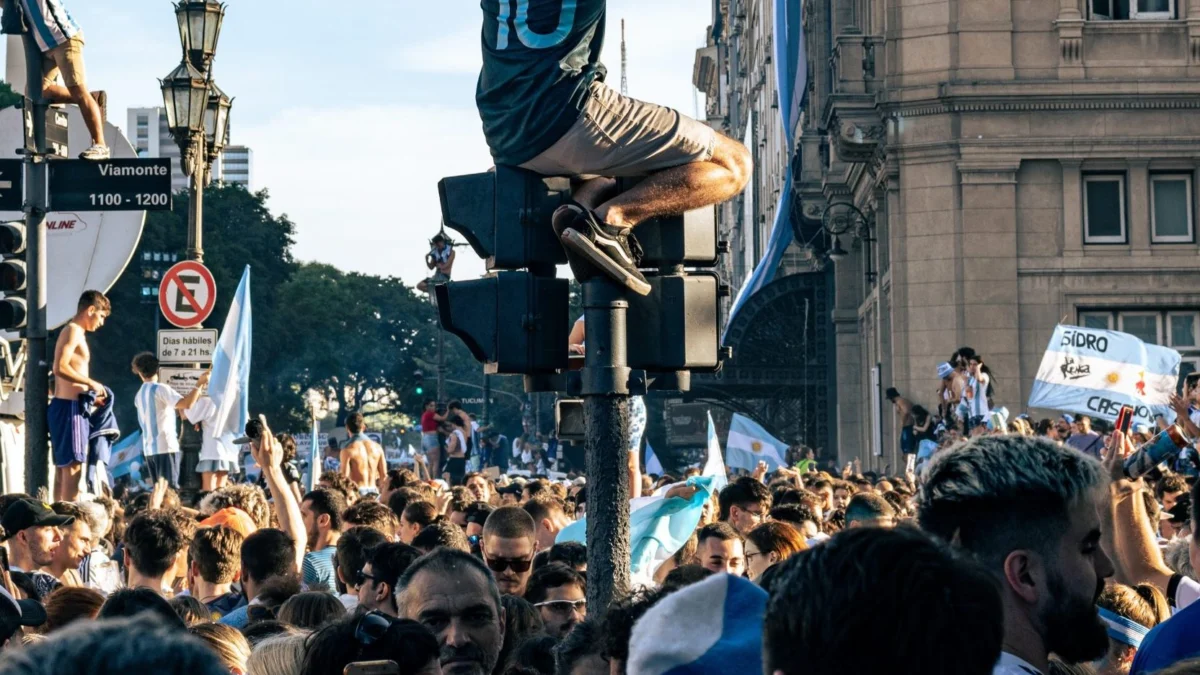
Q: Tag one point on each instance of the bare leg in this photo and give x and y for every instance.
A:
(208, 481)
(682, 188)
(80, 96)
(423, 287)
(66, 485)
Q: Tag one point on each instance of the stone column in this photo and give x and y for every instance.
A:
(1072, 187)
(1137, 216)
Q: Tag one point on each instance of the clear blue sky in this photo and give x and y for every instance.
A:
(354, 111)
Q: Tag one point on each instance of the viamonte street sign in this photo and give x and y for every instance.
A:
(112, 185)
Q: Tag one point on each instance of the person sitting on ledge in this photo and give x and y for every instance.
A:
(545, 108)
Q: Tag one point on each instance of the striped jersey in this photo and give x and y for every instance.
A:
(974, 398)
(50, 22)
(157, 418)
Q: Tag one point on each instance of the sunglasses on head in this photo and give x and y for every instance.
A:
(371, 627)
(563, 606)
(518, 565)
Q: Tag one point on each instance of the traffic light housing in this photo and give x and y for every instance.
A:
(419, 386)
(514, 323)
(13, 307)
(505, 216)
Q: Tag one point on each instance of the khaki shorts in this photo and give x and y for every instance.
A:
(67, 59)
(619, 136)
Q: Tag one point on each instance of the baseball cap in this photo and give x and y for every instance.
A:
(945, 370)
(26, 513)
(233, 518)
(16, 613)
(1067, 418)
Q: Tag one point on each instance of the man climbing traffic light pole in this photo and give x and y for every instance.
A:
(545, 108)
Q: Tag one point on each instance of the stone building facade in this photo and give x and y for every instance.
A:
(1016, 163)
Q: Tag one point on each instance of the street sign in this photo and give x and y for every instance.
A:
(142, 184)
(12, 185)
(187, 346)
(187, 294)
(182, 380)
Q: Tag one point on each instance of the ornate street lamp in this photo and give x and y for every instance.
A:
(185, 98)
(216, 123)
(199, 29)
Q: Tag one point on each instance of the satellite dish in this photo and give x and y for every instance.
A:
(84, 250)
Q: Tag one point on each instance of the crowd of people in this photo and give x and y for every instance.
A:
(1009, 552)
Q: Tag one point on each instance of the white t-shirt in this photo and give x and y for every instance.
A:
(221, 449)
(156, 416)
(1187, 592)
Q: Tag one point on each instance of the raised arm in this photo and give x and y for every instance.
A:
(1134, 544)
(190, 400)
(269, 455)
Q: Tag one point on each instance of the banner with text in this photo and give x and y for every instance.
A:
(1095, 372)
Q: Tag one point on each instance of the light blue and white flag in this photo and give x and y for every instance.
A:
(660, 526)
(1095, 372)
(748, 444)
(791, 74)
(126, 453)
(229, 386)
(652, 464)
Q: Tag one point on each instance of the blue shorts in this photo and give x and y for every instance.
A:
(69, 431)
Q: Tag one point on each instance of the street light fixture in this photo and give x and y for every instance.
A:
(199, 29)
(841, 219)
(185, 97)
(836, 252)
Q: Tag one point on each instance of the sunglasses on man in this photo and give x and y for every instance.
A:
(563, 606)
(361, 578)
(518, 565)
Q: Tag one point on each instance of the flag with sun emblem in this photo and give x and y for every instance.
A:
(1095, 372)
(749, 443)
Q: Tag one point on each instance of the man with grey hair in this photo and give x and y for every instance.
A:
(455, 596)
(1027, 509)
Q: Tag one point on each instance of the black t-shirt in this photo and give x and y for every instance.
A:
(539, 58)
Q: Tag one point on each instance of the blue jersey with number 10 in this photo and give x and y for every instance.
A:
(539, 58)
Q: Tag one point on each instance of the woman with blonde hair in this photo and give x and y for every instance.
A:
(1129, 613)
(227, 643)
(280, 655)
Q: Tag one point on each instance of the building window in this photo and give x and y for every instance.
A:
(1097, 320)
(1171, 208)
(1143, 325)
(1182, 329)
(1110, 10)
(1104, 209)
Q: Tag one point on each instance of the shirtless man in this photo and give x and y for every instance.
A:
(68, 421)
(904, 416)
(362, 459)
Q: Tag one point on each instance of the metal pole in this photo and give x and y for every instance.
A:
(37, 370)
(606, 394)
(487, 397)
(441, 365)
(195, 247)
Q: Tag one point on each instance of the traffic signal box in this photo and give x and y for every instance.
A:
(13, 309)
(515, 320)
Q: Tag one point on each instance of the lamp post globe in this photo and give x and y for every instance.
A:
(199, 29)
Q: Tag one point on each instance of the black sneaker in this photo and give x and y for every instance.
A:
(611, 250)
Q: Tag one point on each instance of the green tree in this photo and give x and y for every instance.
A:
(8, 97)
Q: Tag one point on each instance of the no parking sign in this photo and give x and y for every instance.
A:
(188, 294)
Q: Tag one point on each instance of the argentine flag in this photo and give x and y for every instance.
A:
(229, 386)
(658, 526)
(748, 444)
(653, 466)
(126, 453)
(1095, 372)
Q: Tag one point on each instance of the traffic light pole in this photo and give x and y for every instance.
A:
(605, 380)
(37, 368)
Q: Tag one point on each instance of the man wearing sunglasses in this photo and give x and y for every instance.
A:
(509, 544)
(453, 595)
(560, 595)
(376, 581)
